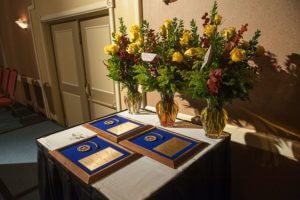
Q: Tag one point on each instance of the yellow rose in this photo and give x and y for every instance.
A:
(190, 52)
(134, 35)
(245, 43)
(141, 50)
(117, 37)
(106, 50)
(218, 19)
(132, 48)
(134, 28)
(113, 49)
(162, 30)
(237, 55)
(177, 57)
(184, 40)
(167, 23)
(139, 42)
(260, 50)
(229, 33)
(209, 30)
(185, 37)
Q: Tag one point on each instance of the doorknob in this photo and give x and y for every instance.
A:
(87, 90)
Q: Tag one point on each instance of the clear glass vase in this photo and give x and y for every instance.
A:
(214, 118)
(133, 100)
(167, 109)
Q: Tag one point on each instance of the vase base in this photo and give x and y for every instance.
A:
(214, 136)
(167, 125)
(134, 113)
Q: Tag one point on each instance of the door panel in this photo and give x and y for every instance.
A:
(73, 102)
(64, 57)
(70, 72)
(95, 36)
(98, 110)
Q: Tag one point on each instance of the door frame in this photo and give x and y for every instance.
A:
(50, 75)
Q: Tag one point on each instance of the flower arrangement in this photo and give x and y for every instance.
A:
(123, 55)
(228, 74)
(173, 46)
(176, 49)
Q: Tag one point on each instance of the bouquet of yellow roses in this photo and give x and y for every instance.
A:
(226, 73)
(175, 50)
(124, 52)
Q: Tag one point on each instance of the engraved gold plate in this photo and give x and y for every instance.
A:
(172, 146)
(122, 128)
(100, 158)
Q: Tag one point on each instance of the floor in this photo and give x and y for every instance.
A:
(18, 157)
(255, 174)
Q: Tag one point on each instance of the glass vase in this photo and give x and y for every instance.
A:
(214, 118)
(133, 100)
(167, 109)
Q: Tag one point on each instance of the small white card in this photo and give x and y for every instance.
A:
(148, 56)
(207, 57)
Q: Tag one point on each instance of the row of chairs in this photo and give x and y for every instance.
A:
(8, 80)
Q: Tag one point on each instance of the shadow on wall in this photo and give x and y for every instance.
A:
(274, 101)
(274, 105)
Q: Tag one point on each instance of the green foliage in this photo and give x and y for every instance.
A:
(122, 26)
(120, 64)
(144, 28)
(213, 12)
(196, 37)
(237, 78)
(165, 75)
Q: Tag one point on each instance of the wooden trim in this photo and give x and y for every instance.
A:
(112, 137)
(112, 106)
(91, 178)
(171, 163)
(95, 7)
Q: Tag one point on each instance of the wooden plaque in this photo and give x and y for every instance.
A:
(100, 159)
(173, 151)
(119, 132)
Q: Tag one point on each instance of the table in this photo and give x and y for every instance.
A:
(206, 175)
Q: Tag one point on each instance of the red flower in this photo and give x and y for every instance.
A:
(238, 36)
(214, 81)
(106, 65)
(206, 42)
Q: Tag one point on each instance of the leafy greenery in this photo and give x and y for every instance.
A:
(121, 62)
(168, 72)
(227, 75)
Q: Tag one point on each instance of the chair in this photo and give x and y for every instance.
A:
(7, 101)
(26, 90)
(38, 94)
(1, 71)
(4, 82)
(49, 97)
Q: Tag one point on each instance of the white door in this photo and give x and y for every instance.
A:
(95, 36)
(70, 71)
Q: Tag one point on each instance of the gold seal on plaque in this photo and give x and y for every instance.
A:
(84, 148)
(109, 122)
(150, 138)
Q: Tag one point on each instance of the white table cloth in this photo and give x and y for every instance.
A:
(139, 179)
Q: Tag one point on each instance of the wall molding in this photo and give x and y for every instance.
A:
(95, 7)
(283, 145)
